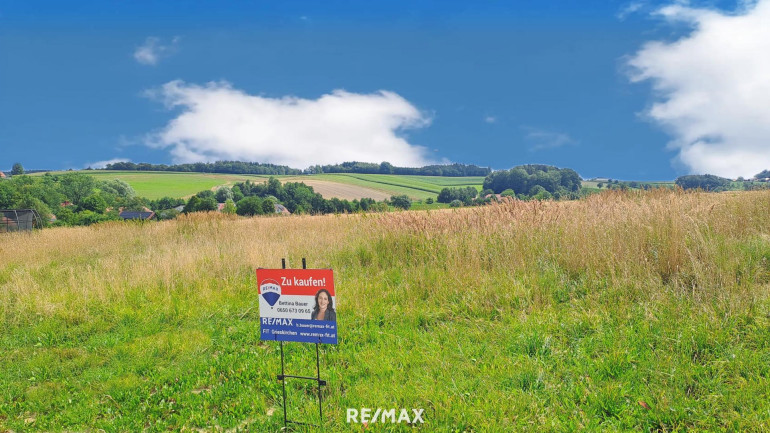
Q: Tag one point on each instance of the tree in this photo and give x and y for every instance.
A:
(229, 207)
(455, 203)
(249, 206)
(268, 206)
(94, 203)
(192, 204)
(17, 169)
(205, 194)
(707, 182)
(207, 204)
(401, 201)
(223, 194)
(508, 193)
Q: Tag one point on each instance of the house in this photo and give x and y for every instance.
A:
(220, 207)
(281, 209)
(179, 208)
(2, 175)
(136, 215)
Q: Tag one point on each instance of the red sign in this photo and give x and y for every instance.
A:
(297, 305)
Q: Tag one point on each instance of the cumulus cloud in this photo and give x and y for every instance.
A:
(102, 164)
(219, 122)
(153, 50)
(540, 139)
(712, 87)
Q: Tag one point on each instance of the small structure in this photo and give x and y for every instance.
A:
(16, 220)
(281, 209)
(136, 215)
(2, 175)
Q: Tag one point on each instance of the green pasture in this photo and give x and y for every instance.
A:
(155, 184)
(644, 312)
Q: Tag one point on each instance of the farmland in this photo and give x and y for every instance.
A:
(627, 310)
(154, 185)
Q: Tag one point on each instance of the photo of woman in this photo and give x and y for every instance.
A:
(324, 307)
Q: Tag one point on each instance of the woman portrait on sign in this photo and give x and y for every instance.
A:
(324, 307)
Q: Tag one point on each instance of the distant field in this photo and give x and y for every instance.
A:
(416, 187)
(154, 184)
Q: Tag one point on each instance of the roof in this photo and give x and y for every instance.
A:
(2, 175)
(133, 215)
(279, 208)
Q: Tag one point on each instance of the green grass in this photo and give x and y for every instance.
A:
(622, 312)
(155, 185)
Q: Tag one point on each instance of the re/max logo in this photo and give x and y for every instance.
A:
(368, 415)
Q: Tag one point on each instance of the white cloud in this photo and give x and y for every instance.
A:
(219, 122)
(712, 87)
(539, 139)
(153, 50)
(629, 9)
(101, 164)
(490, 119)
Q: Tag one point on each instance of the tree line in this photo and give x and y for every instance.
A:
(230, 167)
(449, 170)
(239, 167)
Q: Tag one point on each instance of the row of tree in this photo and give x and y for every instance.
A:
(451, 170)
(233, 167)
(251, 198)
(239, 167)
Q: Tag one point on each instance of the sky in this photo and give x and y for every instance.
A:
(632, 90)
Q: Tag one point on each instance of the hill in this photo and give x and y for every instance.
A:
(624, 311)
(154, 185)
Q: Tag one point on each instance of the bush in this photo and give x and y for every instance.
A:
(456, 203)
(249, 206)
(401, 201)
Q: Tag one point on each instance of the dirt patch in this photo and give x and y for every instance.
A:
(343, 191)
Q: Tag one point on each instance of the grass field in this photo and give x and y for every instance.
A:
(625, 311)
(155, 185)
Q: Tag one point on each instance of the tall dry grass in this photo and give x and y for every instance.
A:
(708, 246)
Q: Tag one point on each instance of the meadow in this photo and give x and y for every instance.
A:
(155, 185)
(623, 311)
(158, 184)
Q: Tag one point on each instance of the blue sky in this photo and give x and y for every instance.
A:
(489, 83)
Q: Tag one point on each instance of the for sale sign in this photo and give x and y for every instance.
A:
(297, 305)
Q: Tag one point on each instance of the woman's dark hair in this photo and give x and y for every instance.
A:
(330, 307)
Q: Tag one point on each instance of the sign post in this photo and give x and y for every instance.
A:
(298, 305)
